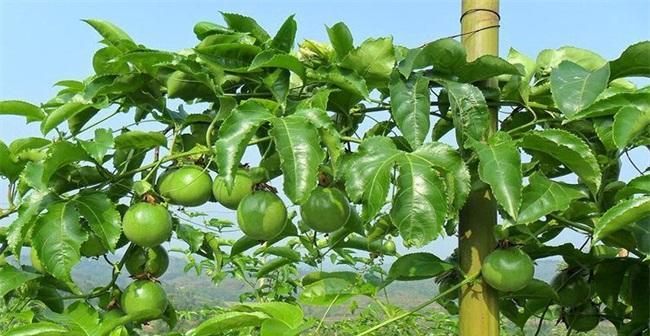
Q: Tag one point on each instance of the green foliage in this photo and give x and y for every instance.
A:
(298, 115)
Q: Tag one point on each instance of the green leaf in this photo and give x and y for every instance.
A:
(245, 24)
(21, 108)
(19, 147)
(190, 235)
(38, 328)
(549, 59)
(29, 209)
(517, 87)
(345, 79)
(341, 39)
(410, 106)
(236, 57)
(61, 154)
(417, 266)
(228, 321)
(61, 114)
(446, 56)
(84, 316)
(235, 133)
(373, 60)
(570, 150)
(12, 278)
(102, 216)
(289, 314)
(633, 62)
(536, 289)
(8, 167)
(500, 167)
(470, 111)
(574, 88)
(271, 59)
(285, 36)
(298, 144)
(278, 83)
(638, 185)
(612, 104)
(485, 67)
(622, 215)
(420, 205)
(140, 140)
(57, 237)
(629, 122)
(367, 174)
(608, 278)
(447, 159)
(543, 196)
(98, 147)
(112, 34)
(329, 291)
(204, 29)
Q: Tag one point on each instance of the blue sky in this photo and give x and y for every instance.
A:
(42, 42)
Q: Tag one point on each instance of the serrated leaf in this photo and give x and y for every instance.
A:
(570, 150)
(298, 144)
(289, 314)
(102, 216)
(549, 59)
(59, 155)
(140, 140)
(345, 79)
(236, 57)
(8, 167)
(485, 67)
(57, 237)
(638, 185)
(84, 316)
(367, 174)
(190, 235)
(574, 88)
(112, 34)
(446, 56)
(61, 114)
(246, 24)
(19, 146)
(543, 196)
(227, 321)
(420, 206)
(373, 60)
(285, 36)
(235, 133)
(633, 62)
(20, 108)
(410, 106)
(271, 59)
(38, 328)
(621, 215)
(278, 83)
(500, 167)
(612, 104)
(446, 158)
(12, 278)
(417, 266)
(328, 291)
(100, 145)
(603, 127)
(470, 111)
(518, 87)
(29, 209)
(341, 39)
(629, 122)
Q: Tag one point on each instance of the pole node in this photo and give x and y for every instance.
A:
(474, 10)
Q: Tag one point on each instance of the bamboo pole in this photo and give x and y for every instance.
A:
(479, 310)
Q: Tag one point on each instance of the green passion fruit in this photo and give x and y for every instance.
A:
(144, 296)
(326, 210)
(242, 186)
(582, 318)
(93, 246)
(572, 289)
(508, 270)
(261, 215)
(147, 225)
(186, 186)
(147, 261)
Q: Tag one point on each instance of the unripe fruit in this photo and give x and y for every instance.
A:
(147, 225)
(144, 295)
(326, 210)
(186, 186)
(262, 215)
(243, 186)
(508, 270)
(152, 261)
(572, 290)
(583, 318)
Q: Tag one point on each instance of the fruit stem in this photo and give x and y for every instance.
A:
(422, 305)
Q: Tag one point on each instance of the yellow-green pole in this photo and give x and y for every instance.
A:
(479, 309)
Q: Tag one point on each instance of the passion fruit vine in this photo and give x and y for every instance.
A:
(262, 215)
(187, 186)
(326, 210)
(508, 270)
(147, 225)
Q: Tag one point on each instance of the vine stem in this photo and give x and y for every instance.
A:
(326, 313)
(421, 306)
